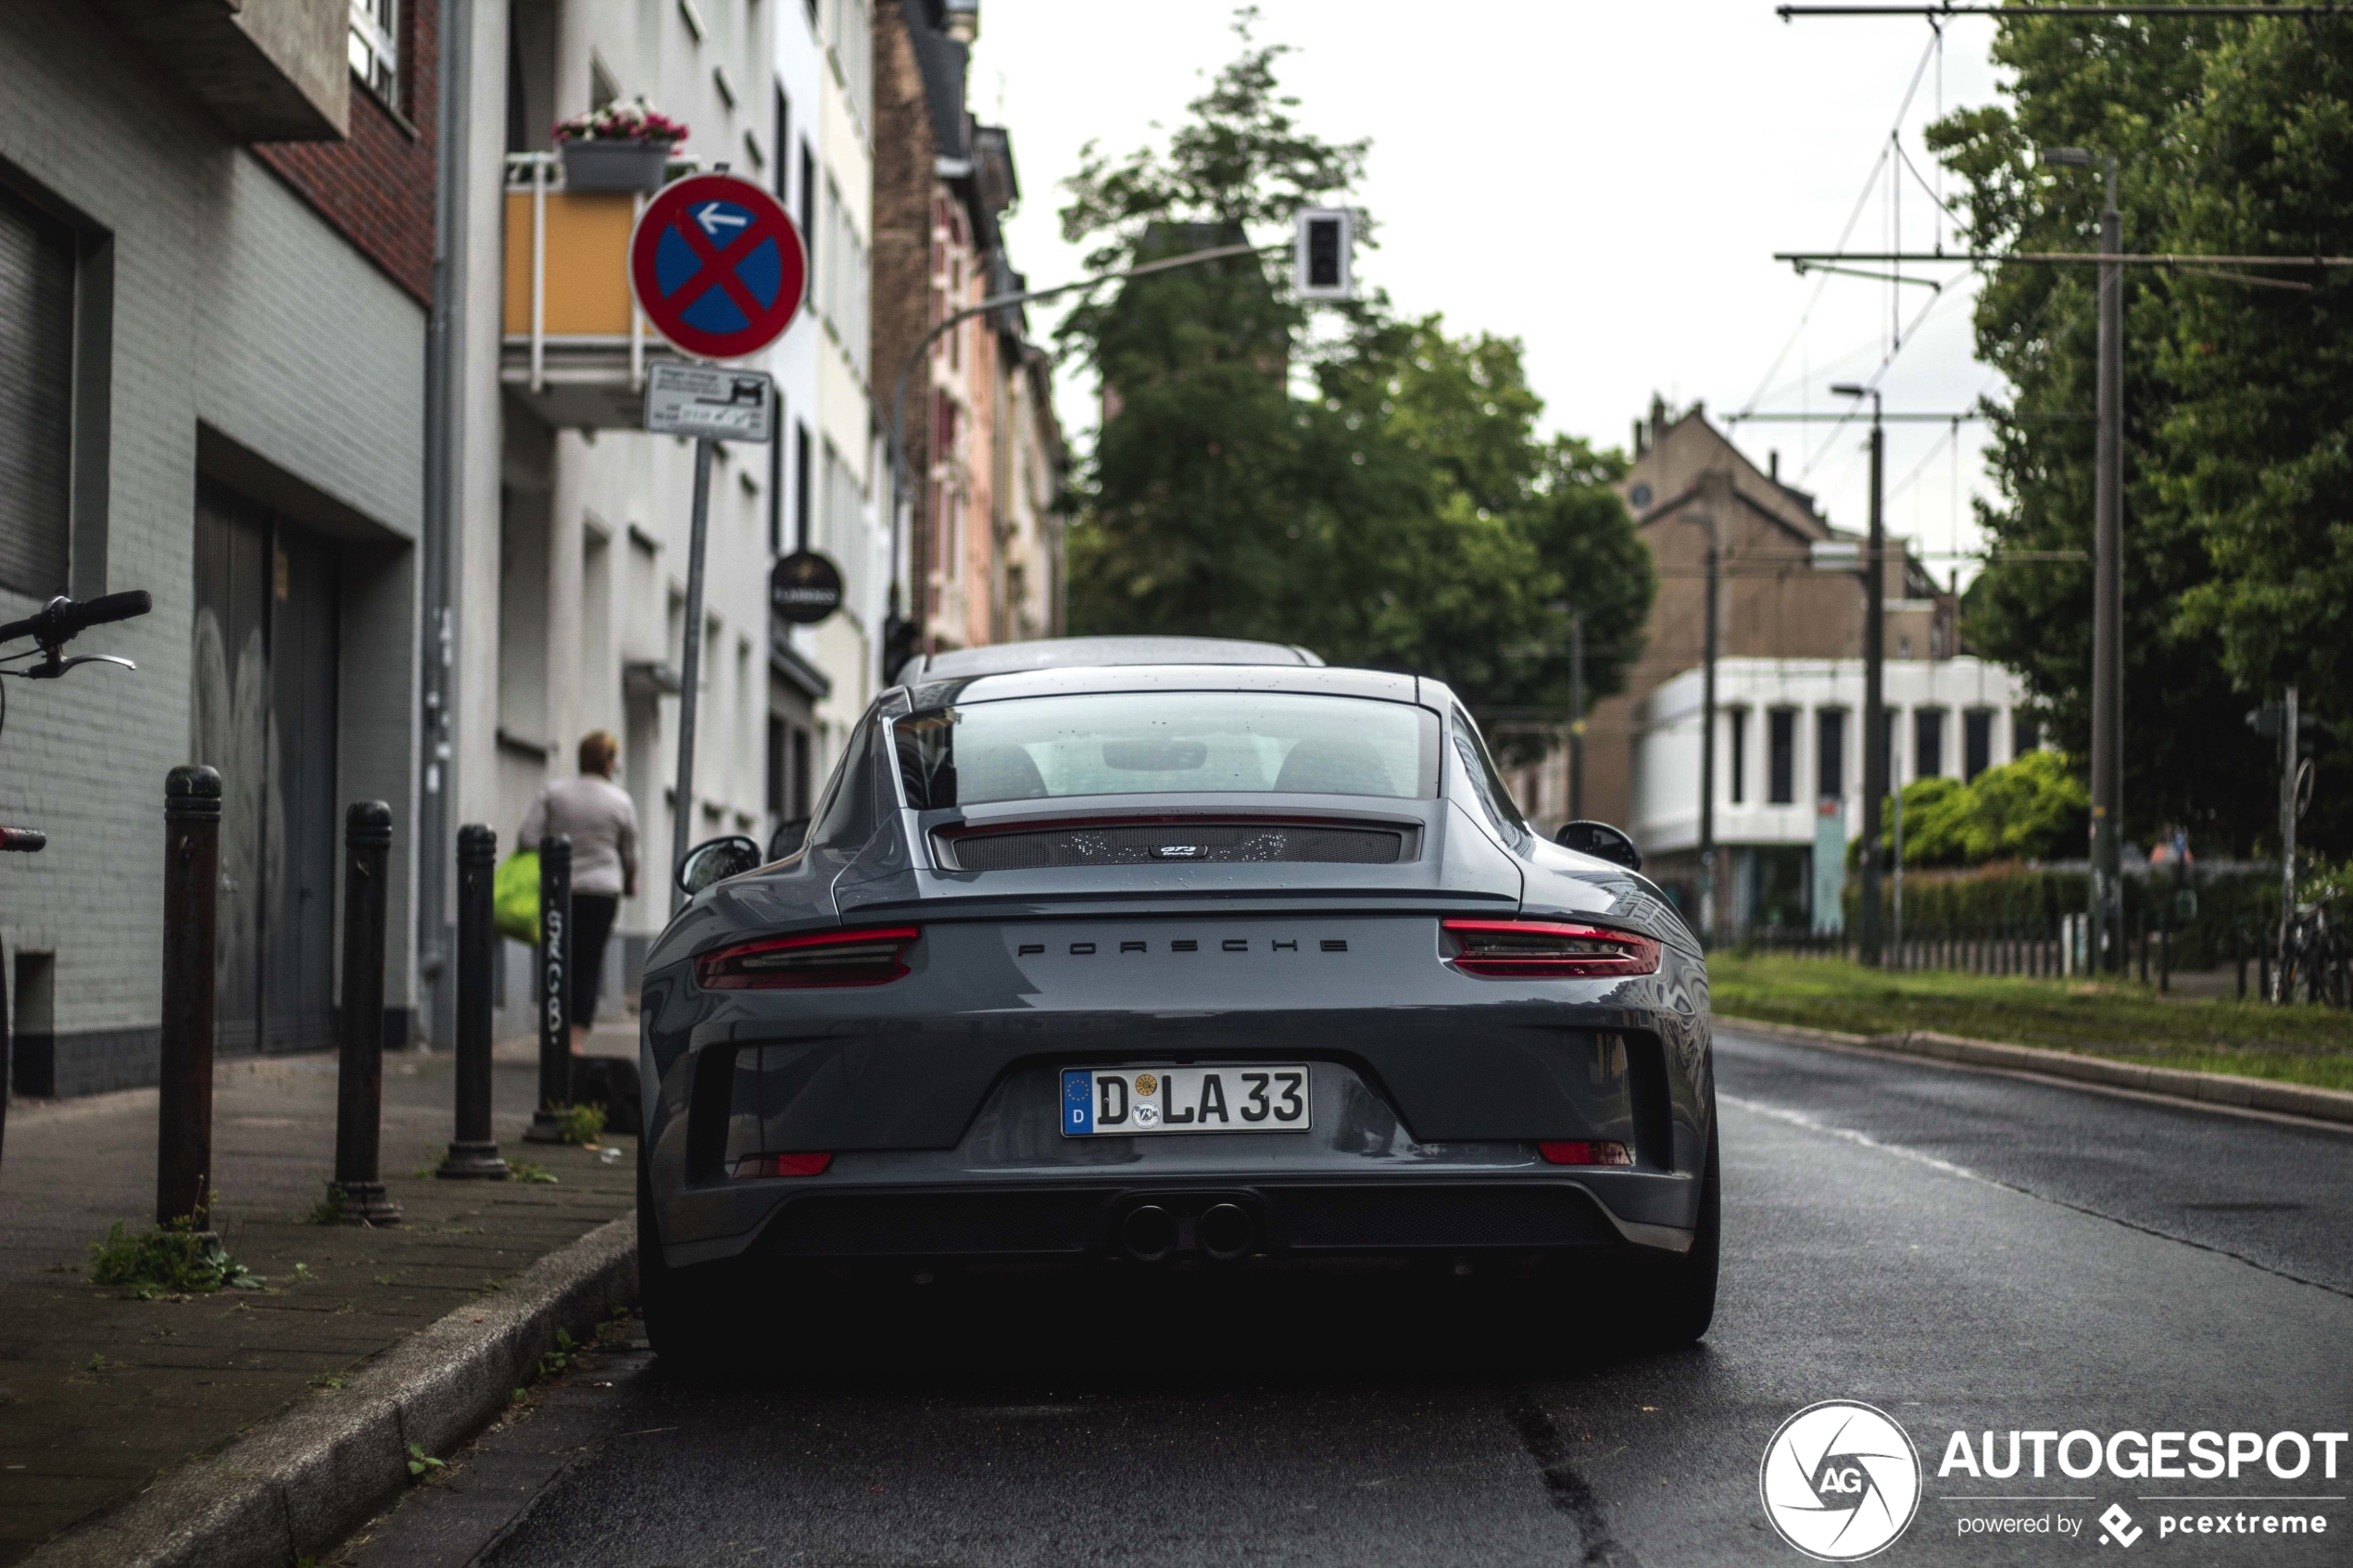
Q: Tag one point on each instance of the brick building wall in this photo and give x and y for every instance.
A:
(905, 150)
(377, 187)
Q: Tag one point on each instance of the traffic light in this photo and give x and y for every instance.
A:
(1321, 244)
(2270, 718)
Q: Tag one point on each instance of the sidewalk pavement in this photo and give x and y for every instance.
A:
(99, 1393)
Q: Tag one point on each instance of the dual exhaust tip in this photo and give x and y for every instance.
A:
(1224, 1232)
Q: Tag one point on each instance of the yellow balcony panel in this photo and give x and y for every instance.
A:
(585, 267)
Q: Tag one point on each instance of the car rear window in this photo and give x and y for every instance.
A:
(1127, 742)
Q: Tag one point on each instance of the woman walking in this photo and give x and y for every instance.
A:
(601, 821)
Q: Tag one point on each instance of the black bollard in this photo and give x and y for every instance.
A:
(359, 1082)
(554, 1001)
(191, 889)
(472, 1153)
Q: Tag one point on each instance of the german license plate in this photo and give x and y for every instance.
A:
(1104, 1102)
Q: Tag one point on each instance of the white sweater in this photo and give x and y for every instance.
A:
(602, 824)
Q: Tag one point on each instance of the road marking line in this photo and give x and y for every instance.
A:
(1799, 1118)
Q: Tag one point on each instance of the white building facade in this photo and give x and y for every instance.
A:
(1789, 765)
(572, 556)
(849, 475)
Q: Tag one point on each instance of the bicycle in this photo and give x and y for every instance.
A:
(56, 624)
(2314, 953)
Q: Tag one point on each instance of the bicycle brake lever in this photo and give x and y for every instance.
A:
(45, 673)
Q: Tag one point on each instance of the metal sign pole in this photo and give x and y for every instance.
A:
(690, 675)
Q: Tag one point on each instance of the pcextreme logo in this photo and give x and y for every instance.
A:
(1840, 1480)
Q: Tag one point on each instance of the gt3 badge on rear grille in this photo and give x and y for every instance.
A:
(1177, 851)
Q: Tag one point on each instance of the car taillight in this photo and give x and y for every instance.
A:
(1540, 949)
(782, 1165)
(1585, 1153)
(875, 957)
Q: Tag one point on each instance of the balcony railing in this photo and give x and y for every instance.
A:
(573, 344)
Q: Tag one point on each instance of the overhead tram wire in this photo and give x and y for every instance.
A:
(2091, 12)
(1862, 199)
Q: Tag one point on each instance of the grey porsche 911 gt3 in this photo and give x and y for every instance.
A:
(1120, 952)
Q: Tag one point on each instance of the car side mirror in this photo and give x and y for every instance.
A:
(715, 859)
(788, 838)
(1601, 841)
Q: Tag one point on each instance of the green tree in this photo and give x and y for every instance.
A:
(2230, 138)
(1366, 486)
(2035, 808)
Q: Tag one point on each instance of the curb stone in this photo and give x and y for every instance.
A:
(299, 1482)
(2169, 1083)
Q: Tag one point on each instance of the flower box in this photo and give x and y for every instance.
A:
(602, 165)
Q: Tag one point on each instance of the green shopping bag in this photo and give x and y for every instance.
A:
(514, 897)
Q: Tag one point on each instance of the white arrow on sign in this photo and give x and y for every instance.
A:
(711, 218)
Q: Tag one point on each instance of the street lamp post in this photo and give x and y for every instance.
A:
(1874, 674)
(2108, 577)
(1708, 933)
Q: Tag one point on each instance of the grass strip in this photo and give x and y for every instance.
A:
(2118, 1019)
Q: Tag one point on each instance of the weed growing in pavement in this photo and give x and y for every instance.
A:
(179, 1259)
(421, 1463)
(525, 1171)
(557, 1360)
(582, 1123)
(326, 1380)
(335, 1209)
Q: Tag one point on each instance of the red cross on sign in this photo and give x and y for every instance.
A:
(717, 266)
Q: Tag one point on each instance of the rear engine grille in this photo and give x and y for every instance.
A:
(1172, 843)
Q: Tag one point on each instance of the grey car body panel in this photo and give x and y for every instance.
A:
(942, 1081)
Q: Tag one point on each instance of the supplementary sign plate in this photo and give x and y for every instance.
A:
(709, 402)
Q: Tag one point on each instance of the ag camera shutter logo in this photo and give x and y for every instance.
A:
(1840, 1481)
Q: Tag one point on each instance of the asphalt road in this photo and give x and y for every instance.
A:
(1962, 1249)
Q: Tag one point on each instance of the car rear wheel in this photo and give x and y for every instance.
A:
(686, 1310)
(1681, 1300)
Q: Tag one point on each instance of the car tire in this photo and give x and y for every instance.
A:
(1681, 1303)
(685, 1310)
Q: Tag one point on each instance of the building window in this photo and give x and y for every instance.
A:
(801, 485)
(2026, 733)
(808, 215)
(375, 48)
(37, 258)
(777, 481)
(1928, 743)
(778, 735)
(1738, 719)
(851, 36)
(1977, 742)
(1781, 785)
(1830, 753)
(843, 296)
(784, 141)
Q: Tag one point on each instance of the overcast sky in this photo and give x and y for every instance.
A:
(1606, 183)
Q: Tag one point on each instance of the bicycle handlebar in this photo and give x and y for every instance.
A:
(61, 619)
